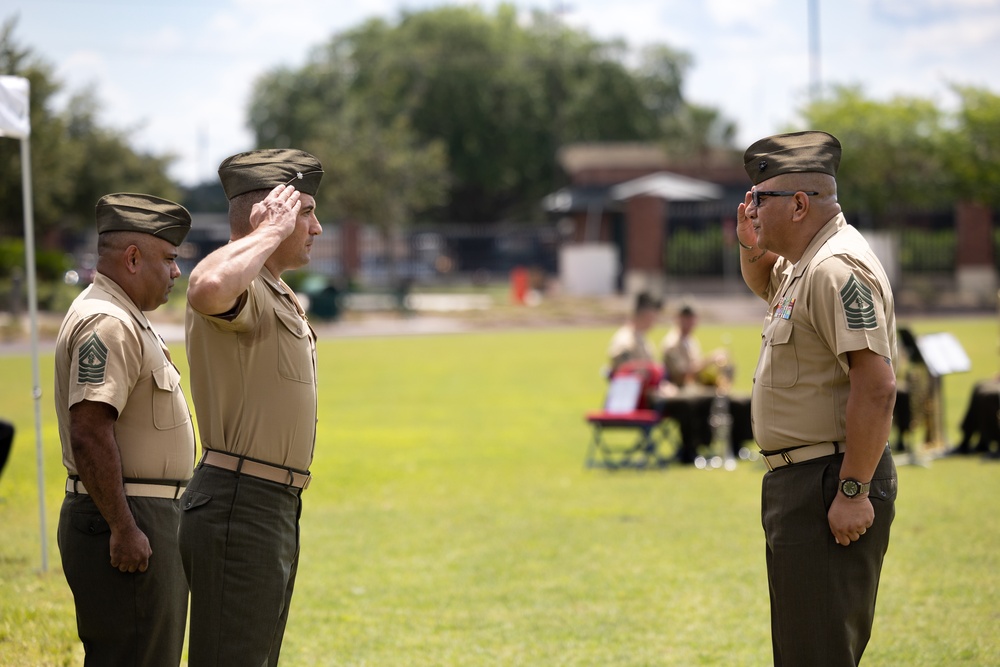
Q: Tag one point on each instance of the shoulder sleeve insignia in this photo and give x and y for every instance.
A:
(93, 361)
(859, 306)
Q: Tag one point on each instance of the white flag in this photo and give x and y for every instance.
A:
(14, 118)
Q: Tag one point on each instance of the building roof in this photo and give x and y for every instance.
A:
(671, 187)
(665, 185)
(575, 158)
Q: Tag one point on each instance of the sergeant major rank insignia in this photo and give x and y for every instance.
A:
(93, 361)
(859, 306)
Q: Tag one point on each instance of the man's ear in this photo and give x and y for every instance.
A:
(801, 206)
(258, 212)
(132, 258)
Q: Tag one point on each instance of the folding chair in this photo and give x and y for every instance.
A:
(626, 409)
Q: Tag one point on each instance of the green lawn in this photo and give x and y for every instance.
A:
(451, 522)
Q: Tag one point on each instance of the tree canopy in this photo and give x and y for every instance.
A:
(74, 159)
(908, 153)
(484, 100)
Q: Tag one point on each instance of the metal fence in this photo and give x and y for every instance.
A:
(439, 254)
(699, 242)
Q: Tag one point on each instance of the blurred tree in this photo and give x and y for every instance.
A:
(896, 153)
(378, 174)
(973, 146)
(74, 160)
(695, 133)
(498, 94)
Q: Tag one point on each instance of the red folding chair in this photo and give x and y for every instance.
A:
(627, 408)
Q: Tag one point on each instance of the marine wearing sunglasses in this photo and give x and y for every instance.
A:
(755, 195)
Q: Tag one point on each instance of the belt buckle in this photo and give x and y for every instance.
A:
(788, 459)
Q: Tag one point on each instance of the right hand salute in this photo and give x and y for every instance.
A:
(278, 211)
(217, 282)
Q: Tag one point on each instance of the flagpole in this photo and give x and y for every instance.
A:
(29, 251)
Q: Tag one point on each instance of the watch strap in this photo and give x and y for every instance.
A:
(863, 487)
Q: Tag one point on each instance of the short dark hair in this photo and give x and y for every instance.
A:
(240, 207)
(646, 301)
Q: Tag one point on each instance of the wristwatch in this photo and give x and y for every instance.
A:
(852, 487)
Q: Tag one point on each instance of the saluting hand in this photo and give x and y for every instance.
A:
(130, 550)
(744, 225)
(850, 517)
(278, 211)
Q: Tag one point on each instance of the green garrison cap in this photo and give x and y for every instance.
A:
(796, 152)
(130, 212)
(269, 167)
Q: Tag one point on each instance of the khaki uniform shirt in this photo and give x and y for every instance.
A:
(108, 352)
(253, 378)
(835, 300)
(680, 356)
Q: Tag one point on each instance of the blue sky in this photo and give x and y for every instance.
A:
(178, 73)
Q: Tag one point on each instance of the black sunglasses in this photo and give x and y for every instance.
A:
(755, 195)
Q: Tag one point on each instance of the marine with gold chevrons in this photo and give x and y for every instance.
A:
(127, 440)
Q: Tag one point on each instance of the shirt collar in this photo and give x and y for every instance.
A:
(834, 225)
(114, 290)
(277, 284)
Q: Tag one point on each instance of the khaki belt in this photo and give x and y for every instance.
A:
(788, 457)
(168, 489)
(266, 471)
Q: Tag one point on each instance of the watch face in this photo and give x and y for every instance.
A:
(849, 487)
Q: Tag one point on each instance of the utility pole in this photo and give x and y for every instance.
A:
(815, 82)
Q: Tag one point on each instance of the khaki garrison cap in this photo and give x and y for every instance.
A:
(267, 168)
(129, 212)
(788, 153)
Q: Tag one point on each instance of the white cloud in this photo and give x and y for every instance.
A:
(736, 12)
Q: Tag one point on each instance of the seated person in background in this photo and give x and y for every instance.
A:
(629, 347)
(981, 424)
(683, 362)
(698, 380)
(629, 344)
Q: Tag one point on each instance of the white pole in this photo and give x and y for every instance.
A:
(815, 78)
(29, 251)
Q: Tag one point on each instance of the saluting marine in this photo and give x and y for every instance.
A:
(252, 355)
(823, 395)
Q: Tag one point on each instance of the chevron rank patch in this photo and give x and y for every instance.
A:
(859, 306)
(93, 361)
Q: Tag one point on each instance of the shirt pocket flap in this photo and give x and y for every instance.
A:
(781, 334)
(295, 324)
(166, 377)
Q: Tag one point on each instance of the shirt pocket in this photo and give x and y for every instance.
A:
(783, 364)
(294, 347)
(170, 410)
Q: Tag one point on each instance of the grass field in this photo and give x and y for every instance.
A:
(451, 522)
